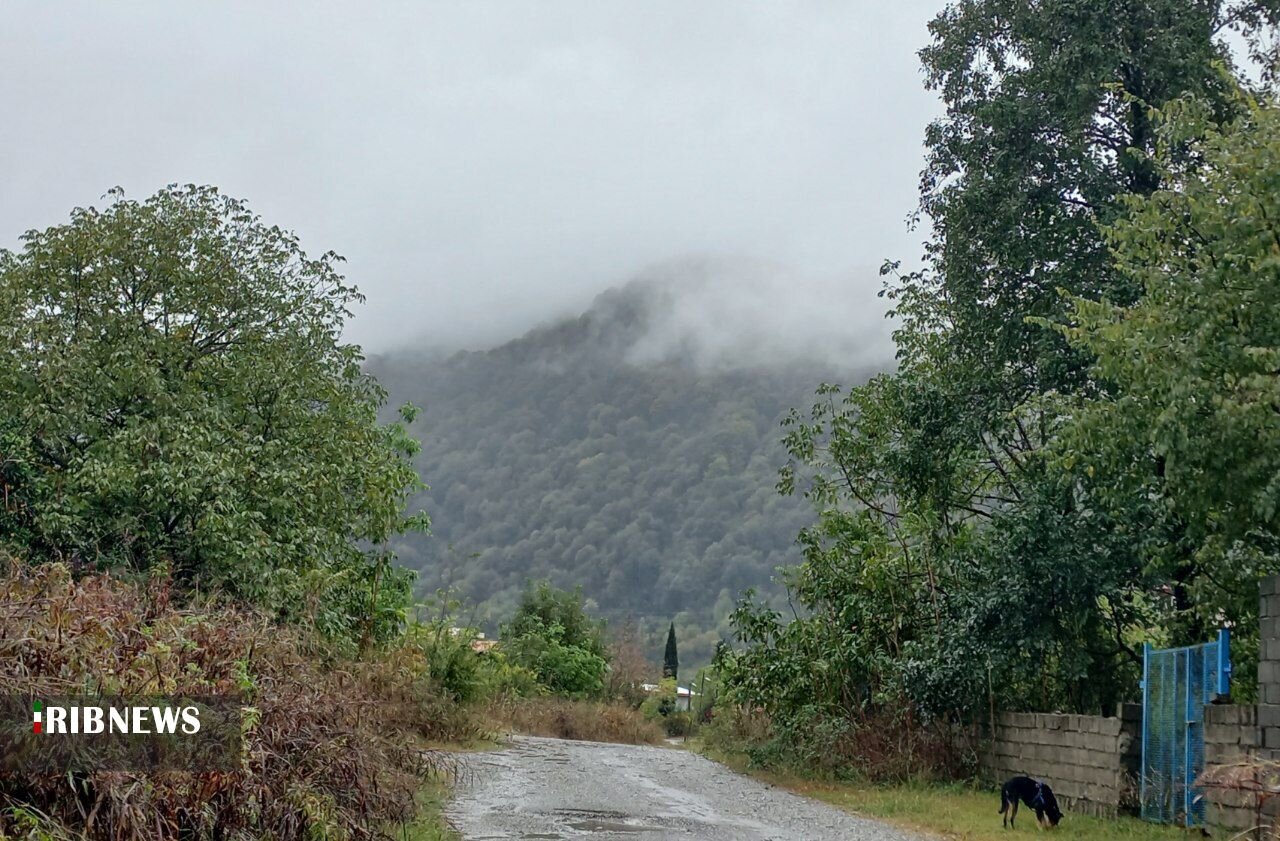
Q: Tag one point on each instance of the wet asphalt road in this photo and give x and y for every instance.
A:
(554, 789)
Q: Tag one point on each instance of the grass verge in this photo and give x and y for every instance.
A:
(951, 811)
(430, 824)
(562, 718)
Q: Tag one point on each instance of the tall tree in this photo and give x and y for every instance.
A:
(174, 390)
(945, 524)
(1195, 362)
(671, 656)
(1047, 125)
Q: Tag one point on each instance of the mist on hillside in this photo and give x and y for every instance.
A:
(631, 448)
(725, 314)
(722, 314)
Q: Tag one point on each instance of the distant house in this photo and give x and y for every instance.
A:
(479, 644)
(684, 695)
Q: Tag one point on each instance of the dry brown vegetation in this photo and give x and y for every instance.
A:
(886, 747)
(564, 718)
(330, 749)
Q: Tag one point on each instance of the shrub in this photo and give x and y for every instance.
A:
(452, 665)
(678, 724)
(314, 762)
(567, 718)
(891, 746)
(503, 679)
(552, 635)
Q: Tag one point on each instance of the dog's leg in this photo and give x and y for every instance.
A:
(1004, 809)
(1013, 812)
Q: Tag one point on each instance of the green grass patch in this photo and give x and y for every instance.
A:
(430, 823)
(951, 811)
(969, 813)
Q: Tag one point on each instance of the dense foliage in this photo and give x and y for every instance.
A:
(1005, 519)
(561, 456)
(552, 636)
(174, 390)
(1194, 364)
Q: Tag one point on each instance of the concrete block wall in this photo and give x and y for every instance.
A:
(1231, 741)
(1087, 759)
(1269, 662)
(1236, 736)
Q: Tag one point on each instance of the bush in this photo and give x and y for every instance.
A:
(503, 679)
(451, 663)
(887, 747)
(314, 762)
(567, 718)
(678, 724)
(552, 636)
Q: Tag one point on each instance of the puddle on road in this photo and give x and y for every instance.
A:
(590, 820)
(609, 826)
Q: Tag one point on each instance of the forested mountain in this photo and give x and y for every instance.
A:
(590, 453)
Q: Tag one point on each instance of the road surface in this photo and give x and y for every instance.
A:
(554, 789)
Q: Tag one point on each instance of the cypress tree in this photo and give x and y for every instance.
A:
(671, 657)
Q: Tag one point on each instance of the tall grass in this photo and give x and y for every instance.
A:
(564, 718)
(330, 741)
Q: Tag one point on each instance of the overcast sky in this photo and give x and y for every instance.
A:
(486, 166)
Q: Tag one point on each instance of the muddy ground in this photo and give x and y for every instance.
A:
(554, 789)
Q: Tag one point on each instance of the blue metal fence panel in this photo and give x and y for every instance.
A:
(1177, 683)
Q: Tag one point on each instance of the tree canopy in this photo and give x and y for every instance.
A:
(1090, 299)
(1191, 416)
(552, 635)
(174, 391)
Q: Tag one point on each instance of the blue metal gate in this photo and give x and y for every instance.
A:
(1176, 685)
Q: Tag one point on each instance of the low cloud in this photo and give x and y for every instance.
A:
(738, 313)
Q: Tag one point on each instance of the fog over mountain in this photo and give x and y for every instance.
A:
(632, 449)
(723, 314)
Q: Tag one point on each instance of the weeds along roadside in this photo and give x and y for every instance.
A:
(332, 740)
(336, 742)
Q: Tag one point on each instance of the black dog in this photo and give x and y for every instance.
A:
(1036, 795)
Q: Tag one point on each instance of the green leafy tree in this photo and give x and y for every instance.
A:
(671, 655)
(552, 635)
(174, 390)
(946, 525)
(1191, 418)
(1048, 126)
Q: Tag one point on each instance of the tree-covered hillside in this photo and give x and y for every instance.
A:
(564, 455)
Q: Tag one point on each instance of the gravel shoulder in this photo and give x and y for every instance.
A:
(554, 789)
